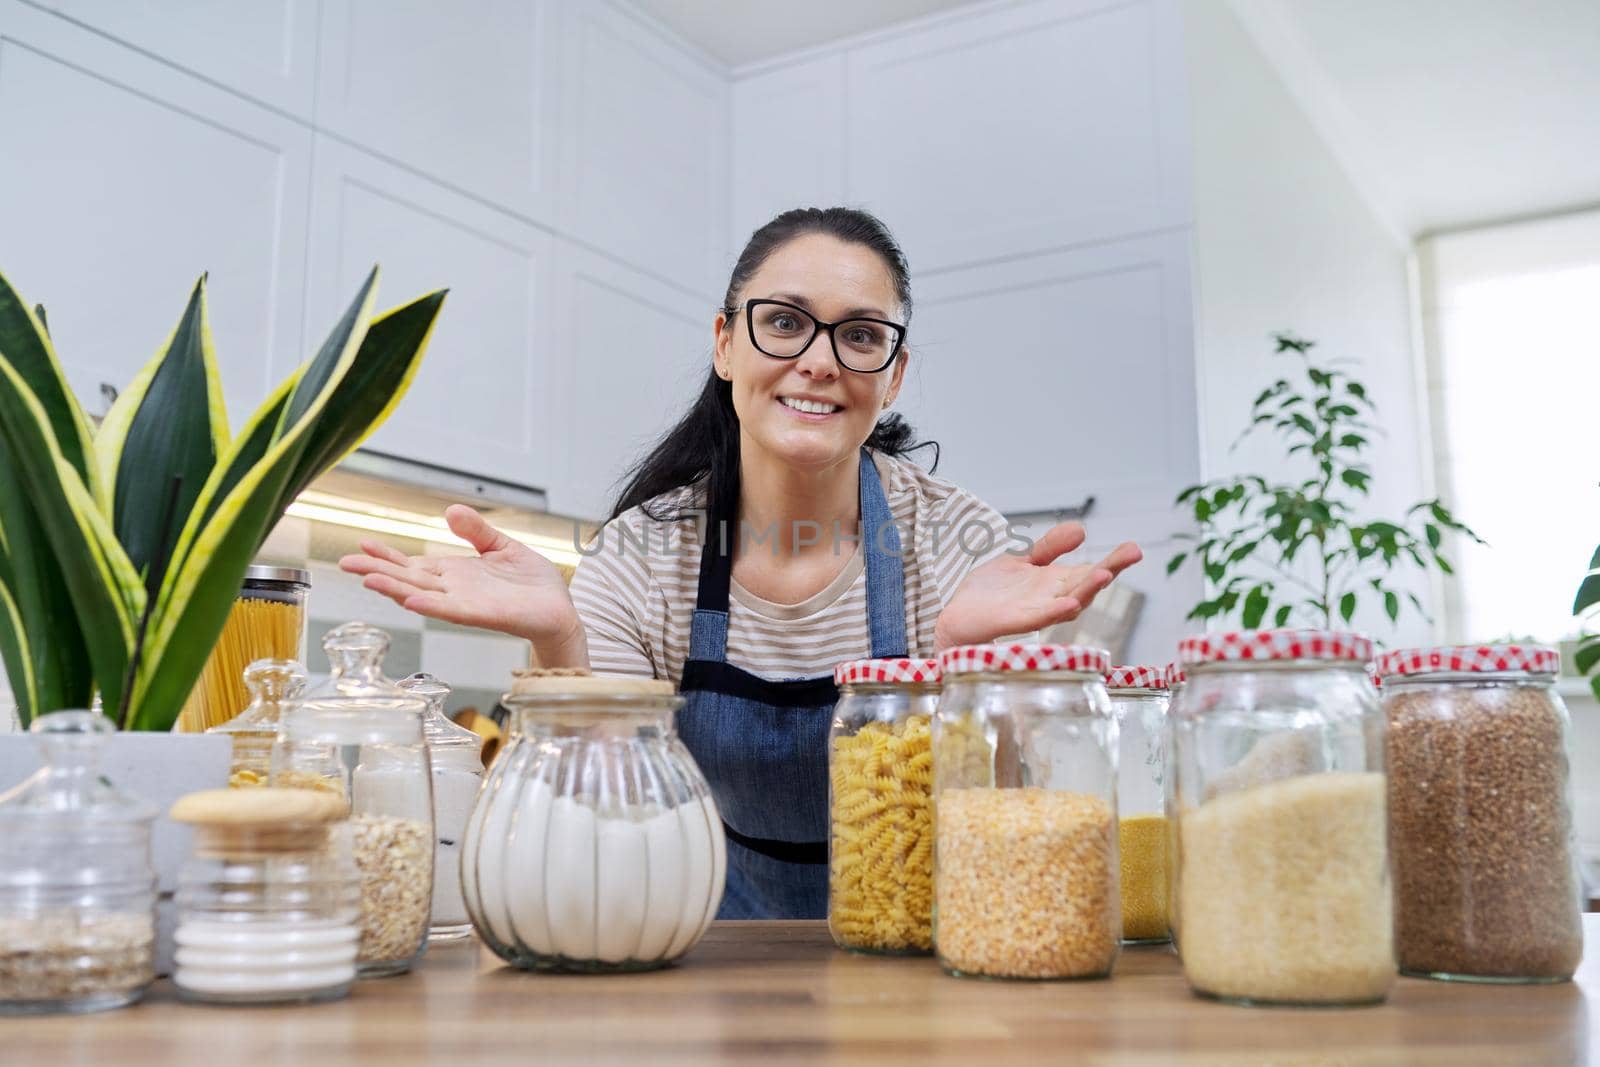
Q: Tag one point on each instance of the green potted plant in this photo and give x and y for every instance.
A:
(1586, 605)
(1295, 552)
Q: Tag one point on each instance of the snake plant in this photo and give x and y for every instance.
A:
(122, 548)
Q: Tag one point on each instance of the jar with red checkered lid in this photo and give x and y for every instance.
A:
(1480, 814)
(1025, 764)
(880, 802)
(1139, 698)
(1279, 809)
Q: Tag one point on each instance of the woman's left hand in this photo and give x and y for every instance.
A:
(1019, 594)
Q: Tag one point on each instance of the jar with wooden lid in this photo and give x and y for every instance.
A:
(269, 909)
(1480, 814)
(360, 736)
(1025, 822)
(880, 799)
(1139, 699)
(273, 684)
(595, 845)
(1282, 859)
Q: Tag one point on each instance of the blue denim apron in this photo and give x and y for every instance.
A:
(763, 745)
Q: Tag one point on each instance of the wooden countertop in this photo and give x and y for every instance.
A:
(772, 993)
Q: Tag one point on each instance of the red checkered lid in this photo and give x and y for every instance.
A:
(886, 672)
(1267, 645)
(1175, 675)
(1136, 678)
(988, 659)
(1470, 659)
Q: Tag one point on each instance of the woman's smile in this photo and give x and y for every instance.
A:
(810, 409)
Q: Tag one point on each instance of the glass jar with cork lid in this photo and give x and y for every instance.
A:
(268, 905)
(1025, 827)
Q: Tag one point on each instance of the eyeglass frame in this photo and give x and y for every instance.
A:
(817, 326)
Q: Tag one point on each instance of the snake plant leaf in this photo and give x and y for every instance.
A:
(105, 592)
(26, 346)
(169, 422)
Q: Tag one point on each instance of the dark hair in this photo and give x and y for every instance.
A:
(705, 441)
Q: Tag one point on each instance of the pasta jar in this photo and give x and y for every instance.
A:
(1025, 846)
(360, 736)
(1282, 860)
(456, 756)
(880, 796)
(269, 910)
(77, 891)
(273, 684)
(595, 845)
(1139, 699)
(1480, 812)
(268, 621)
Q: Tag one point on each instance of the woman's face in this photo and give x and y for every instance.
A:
(834, 280)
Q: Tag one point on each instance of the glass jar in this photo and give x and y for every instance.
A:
(456, 756)
(269, 910)
(273, 684)
(268, 621)
(595, 845)
(1139, 700)
(1282, 863)
(1480, 813)
(880, 796)
(1025, 768)
(77, 891)
(360, 735)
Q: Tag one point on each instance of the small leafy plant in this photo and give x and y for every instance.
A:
(1295, 552)
(122, 548)
(1586, 605)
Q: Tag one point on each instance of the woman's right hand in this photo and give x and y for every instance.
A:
(507, 587)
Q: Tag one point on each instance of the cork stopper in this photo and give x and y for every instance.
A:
(568, 682)
(256, 821)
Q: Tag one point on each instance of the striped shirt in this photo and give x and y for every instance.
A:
(636, 590)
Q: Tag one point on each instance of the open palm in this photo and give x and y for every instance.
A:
(507, 586)
(1019, 594)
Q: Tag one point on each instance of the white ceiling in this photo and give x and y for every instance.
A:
(1449, 113)
(747, 31)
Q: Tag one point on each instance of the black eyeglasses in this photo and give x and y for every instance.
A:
(783, 331)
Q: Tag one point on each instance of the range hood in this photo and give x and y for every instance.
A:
(389, 494)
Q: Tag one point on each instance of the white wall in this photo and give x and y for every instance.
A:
(1032, 160)
(1283, 241)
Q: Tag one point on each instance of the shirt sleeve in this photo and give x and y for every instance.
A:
(613, 595)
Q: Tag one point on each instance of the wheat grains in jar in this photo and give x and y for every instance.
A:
(880, 799)
(1025, 826)
(1139, 699)
(1279, 805)
(1480, 815)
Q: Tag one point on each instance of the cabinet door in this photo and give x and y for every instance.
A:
(779, 162)
(1021, 129)
(480, 401)
(462, 93)
(126, 180)
(644, 159)
(634, 354)
(265, 49)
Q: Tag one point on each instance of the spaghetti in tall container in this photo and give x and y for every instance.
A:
(268, 621)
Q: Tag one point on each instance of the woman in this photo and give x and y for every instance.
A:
(823, 544)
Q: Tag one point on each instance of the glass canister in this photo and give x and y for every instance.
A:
(880, 796)
(1480, 814)
(1282, 859)
(77, 891)
(268, 621)
(269, 910)
(456, 755)
(360, 735)
(1139, 699)
(1025, 771)
(595, 845)
(273, 684)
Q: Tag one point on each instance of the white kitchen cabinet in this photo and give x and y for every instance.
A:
(482, 398)
(644, 154)
(1020, 129)
(788, 141)
(634, 353)
(264, 49)
(464, 93)
(125, 180)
